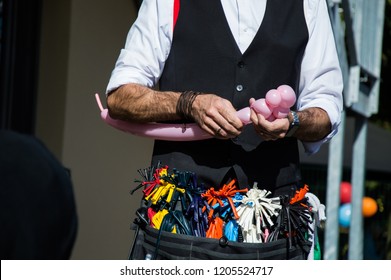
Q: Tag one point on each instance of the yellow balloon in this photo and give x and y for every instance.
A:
(369, 207)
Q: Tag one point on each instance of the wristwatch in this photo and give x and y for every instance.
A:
(294, 125)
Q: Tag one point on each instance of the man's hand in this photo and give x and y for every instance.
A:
(216, 116)
(314, 125)
(266, 129)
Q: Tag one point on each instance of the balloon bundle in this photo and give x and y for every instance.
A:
(194, 210)
(221, 207)
(176, 203)
(256, 206)
(294, 220)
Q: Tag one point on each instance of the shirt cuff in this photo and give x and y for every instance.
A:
(124, 79)
(334, 114)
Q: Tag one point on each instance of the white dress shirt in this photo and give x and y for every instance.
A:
(149, 40)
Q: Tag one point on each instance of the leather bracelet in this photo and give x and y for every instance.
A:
(185, 103)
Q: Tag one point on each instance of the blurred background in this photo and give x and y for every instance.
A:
(55, 55)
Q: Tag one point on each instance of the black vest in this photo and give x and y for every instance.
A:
(205, 57)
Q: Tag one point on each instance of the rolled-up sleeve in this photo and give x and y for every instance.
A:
(321, 81)
(147, 46)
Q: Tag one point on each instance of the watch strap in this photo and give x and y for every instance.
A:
(294, 125)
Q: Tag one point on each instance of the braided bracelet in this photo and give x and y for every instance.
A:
(185, 103)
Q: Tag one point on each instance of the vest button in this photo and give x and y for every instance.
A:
(239, 88)
(240, 64)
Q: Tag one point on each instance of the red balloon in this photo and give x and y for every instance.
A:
(345, 192)
(369, 207)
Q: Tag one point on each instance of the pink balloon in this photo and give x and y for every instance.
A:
(288, 96)
(273, 98)
(280, 112)
(159, 131)
(271, 118)
(260, 106)
(244, 115)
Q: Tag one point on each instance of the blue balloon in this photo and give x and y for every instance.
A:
(345, 212)
(231, 230)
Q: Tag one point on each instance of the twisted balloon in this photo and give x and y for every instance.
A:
(275, 105)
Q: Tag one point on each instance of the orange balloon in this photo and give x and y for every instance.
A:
(369, 207)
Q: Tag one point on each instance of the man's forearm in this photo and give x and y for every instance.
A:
(314, 125)
(135, 103)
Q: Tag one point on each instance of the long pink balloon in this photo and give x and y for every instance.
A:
(168, 132)
(159, 131)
